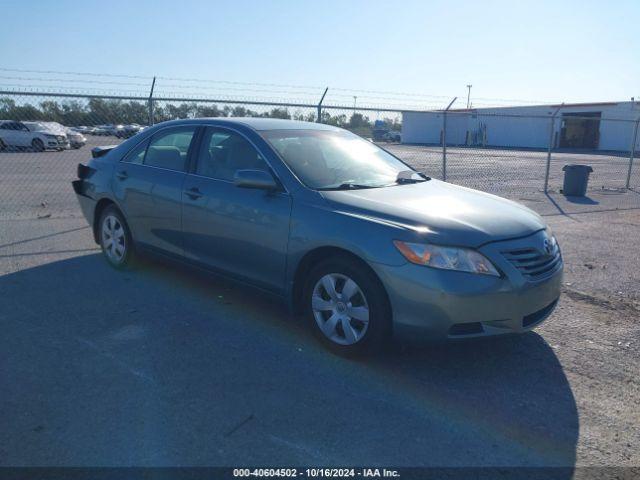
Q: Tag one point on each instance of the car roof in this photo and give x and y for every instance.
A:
(258, 123)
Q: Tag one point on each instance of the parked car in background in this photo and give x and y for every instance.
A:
(30, 134)
(76, 139)
(104, 130)
(53, 128)
(392, 136)
(348, 234)
(128, 131)
(85, 130)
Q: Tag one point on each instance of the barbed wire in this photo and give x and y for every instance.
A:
(100, 82)
(314, 91)
(91, 74)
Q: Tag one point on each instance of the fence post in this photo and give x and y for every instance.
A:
(444, 139)
(634, 139)
(153, 84)
(551, 132)
(319, 119)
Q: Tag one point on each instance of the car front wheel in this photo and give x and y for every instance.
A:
(115, 239)
(37, 145)
(347, 306)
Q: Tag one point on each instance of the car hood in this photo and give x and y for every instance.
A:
(443, 212)
(50, 132)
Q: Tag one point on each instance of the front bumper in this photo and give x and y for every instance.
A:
(57, 144)
(428, 303)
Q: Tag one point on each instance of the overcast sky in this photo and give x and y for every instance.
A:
(544, 51)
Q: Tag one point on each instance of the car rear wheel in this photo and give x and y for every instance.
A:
(115, 239)
(3, 146)
(37, 145)
(347, 306)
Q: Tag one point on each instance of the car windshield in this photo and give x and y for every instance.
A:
(36, 127)
(331, 159)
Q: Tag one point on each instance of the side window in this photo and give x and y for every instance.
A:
(223, 152)
(136, 156)
(168, 149)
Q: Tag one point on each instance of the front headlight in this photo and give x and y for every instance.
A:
(447, 258)
(551, 235)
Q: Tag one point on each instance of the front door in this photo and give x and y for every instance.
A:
(148, 184)
(242, 232)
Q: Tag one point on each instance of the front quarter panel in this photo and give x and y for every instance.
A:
(315, 225)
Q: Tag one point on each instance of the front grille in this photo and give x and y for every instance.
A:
(533, 263)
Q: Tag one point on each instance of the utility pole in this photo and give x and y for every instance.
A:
(355, 97)
(469, 96)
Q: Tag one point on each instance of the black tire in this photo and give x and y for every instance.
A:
(38, 145)
(378, 331)
(3, 146)
(128, 259)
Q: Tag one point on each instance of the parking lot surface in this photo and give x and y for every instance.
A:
(164, 366)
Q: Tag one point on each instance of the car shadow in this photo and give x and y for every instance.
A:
(165, 366)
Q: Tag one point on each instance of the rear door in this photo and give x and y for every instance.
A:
(148, 184)
(12, 135)
(243, 232)
(6, 133)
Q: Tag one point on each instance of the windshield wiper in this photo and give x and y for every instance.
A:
(406, 176)
(349, 186)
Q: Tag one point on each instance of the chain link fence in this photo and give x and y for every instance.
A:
(44, 136)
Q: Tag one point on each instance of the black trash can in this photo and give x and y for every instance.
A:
(576, 179)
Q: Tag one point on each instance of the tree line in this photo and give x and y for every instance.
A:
(98, 111)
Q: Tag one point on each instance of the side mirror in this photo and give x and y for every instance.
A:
(258, 179)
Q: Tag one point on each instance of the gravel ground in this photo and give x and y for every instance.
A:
(164, 366)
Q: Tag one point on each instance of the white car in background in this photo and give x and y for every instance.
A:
(50, 128)
(18, 134)
(76, 140)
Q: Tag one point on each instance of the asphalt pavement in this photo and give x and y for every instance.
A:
(163, 366)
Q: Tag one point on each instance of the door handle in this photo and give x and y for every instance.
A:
(193, 193)
(122, 175)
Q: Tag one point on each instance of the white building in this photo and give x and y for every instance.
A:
(594, 126)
